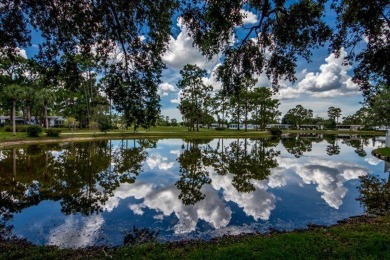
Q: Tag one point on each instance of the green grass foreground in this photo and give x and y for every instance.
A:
(156, 132)
(385, 151)
(355, 238)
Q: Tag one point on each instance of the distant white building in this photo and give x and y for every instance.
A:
(349, 127)
(311, 127)
(280, 126)
(215, 125)
(6, 120)
(54, 121)
(242, 126)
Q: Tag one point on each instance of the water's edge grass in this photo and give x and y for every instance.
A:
(7, 139)
(382, 153)
(361, 237)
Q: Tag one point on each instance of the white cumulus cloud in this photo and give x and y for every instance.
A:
(248, 17)
(182, 51)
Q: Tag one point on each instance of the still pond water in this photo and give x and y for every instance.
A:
(93, 193)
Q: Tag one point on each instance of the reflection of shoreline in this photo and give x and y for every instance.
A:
(259, 204)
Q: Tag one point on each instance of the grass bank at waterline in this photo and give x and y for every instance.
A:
(355, 238)
(382, 153)
(7, 139)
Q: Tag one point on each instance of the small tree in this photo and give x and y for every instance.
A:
(334, 113)
(93, 125)
(72, 123)
(195, 94)
(13, 93)
(104, 122)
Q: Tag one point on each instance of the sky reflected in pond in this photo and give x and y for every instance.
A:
(91, 193)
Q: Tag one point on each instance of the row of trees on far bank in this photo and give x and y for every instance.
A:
(247, 104)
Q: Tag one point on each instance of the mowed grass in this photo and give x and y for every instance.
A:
(359, 238)
(385, 151)
(158, 132)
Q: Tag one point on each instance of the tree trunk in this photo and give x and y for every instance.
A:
(28, 110)
(13, 117)
(246, 117)
(238, 118)
(46, 119)
(14, 164)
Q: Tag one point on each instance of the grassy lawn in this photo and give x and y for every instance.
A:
(358, 238)
(157, 132)
(385, 151)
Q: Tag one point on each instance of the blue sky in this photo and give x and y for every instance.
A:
(322, 83)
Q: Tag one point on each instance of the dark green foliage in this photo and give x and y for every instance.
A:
(297, 116)
(359, 21)
(275, 131)
(374, 194)
(53, 132)
(195, 96)
(220, 128)
(289, 29)
(329, 124)
(33, 130)
(104, 123)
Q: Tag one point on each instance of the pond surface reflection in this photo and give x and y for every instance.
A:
(91, 193)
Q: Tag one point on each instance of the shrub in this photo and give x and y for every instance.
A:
(21, 128)
(104, 123)
(33, 130)
(53, 132)
(275, 131)
(18, 128)
(220, 128)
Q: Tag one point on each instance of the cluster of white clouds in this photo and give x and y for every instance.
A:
(165, 88)
(248, 17)
(329, 176)
(331, 80)
(182, 51)
(157, 160)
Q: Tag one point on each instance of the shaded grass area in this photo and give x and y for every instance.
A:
(385, 151)
(355, 238)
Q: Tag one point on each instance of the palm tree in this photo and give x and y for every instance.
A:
(14, 93)
(28, 96)
(43, 97)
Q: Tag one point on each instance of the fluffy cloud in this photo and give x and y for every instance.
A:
(165, 201)
(328, 176)
(332, 79)
(157, 160)
(22, 53)
(212, 80)
(248, 17)
(177, 100)
(76, 233)
(257, 204)
(182, 51)
(165, 88)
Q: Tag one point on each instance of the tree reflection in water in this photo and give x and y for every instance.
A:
(192, 172)
(296, 145)
(250, 163)
(333, 148)
(374, 194)
(245, 159)
(358, 143)
(82, 176)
